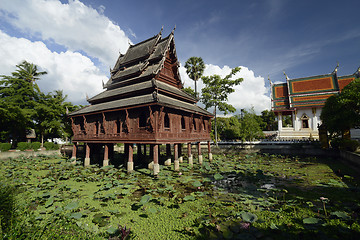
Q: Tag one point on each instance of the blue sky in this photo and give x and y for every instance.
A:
(77, 41)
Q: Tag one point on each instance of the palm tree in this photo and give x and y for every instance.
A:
(29, 72)
(195, 68)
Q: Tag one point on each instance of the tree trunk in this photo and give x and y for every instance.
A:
(216, 142)
(42, 140)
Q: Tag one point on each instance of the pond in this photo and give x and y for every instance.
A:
(236, 196)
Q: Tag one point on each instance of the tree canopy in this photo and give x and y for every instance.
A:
(216, 91)
(342, 112)
(195, 68)
(24, 107)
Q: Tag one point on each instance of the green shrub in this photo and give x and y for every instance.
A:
(51, 146)
(35, 145)
(5, 147)
(23, 146)
(345, 144)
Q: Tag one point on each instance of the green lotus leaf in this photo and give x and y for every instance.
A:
(218, 176)
(49, 202)
(311, 220)
(76, 215)
(342, 215)
(112, 230)
(72, 205)
(248, 217)
(145, 199)
(197, 183)
(189, 198)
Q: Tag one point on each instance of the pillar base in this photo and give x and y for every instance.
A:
(200, 159)
(130, 167)
(176, 165)
(151, 165)
(73, 160)
(191, 163)
(181, 159)
(87, 162)
(105, 162)
(168, 162)
(156, 168)
(210, 157)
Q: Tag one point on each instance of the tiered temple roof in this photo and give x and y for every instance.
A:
(141, 76)
(308, 92)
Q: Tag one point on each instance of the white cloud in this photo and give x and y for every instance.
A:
(71, 72)
(250, 93)
(73, 25)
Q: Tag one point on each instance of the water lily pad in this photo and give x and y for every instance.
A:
(145, 199)
(218, 176)
(311, 220)
(76, 215)
(49, 202)
(248, 217)
(112, 230)
(152, 210)
(340, 214)
(189, 198)
(58, 210)
(72, 205)
(197, 183)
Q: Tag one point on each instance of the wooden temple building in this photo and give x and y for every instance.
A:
(143, 104)
(302, 99)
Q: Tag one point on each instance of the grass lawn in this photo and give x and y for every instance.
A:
(236, 196)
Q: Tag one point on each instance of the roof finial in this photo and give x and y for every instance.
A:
(87, 97)
(173, 29)
(287, 78)
(336, 68)
(103, 85)
(129, 42)
(162, 28)
(269, 80)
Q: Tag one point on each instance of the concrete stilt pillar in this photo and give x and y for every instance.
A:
(130, 163)
(209, 151)
(73, 157)
(106, 155)
(190, 156)
(168, 155)
(199, 152)
(156, 166)
(180, 153)
(176, 159)
(87, 155)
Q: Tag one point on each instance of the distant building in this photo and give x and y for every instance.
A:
(298, 102)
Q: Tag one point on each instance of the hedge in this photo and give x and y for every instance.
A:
(51, 146)
(345, 144)
(35, 145)
(5, 147)
(22, 146)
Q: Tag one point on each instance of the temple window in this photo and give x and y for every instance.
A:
(183, 123)
(142, 120)
(166, 121)
(305, 121)
(194, 124)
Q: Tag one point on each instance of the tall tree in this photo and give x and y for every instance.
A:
(342, 112)
(195, 68)
(216, 91)
(29, 72)
(250, 125)
(20, 95)
(268, 121)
